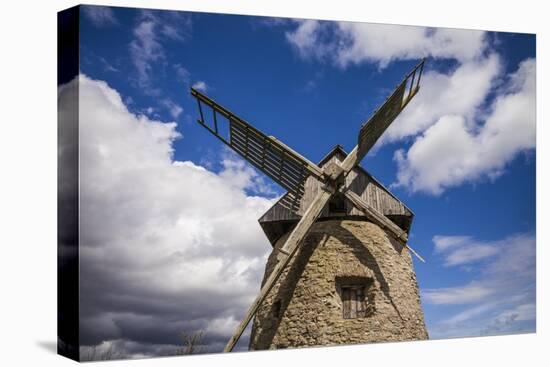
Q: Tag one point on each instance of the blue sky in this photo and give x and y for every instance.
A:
(461, 156)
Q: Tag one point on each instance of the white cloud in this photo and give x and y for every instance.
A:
(511, 321)
(385, 43)
(166, 246)
(445, 243)
(174, 109)
(460, 250)
(345, 43)
(108, 66)
(182, 72)
(469, 293)
(522, 312)
(498, 298)
(470, 254)
(146, 48)
(100, 16)
(469, 313)
(200, 85)
(306, 39)
(459, 92)
(174, 25)
(491, 318)
(455, 150)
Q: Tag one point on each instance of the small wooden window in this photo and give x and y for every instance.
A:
(353, 299)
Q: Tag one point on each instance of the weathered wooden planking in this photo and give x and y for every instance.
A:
(373, 129)
(346, 300)
(357, 180)
(353, 304)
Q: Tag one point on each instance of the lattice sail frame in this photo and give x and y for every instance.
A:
(382, 118)
(276, 160)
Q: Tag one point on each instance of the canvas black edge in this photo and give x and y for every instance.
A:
(68, 44)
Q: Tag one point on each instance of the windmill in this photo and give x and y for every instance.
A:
(304, 206)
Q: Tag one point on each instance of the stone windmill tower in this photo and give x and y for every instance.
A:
(341, 270)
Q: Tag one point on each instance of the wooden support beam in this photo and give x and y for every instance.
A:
(381, 220)
(350, 161)
(290, 247)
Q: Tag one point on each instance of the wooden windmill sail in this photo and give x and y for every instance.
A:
(291, 170)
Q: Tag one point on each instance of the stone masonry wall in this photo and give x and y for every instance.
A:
(305, 307)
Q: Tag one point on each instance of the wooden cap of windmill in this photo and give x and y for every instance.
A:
(281, 217)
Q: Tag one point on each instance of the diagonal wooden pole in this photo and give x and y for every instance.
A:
(381, 220)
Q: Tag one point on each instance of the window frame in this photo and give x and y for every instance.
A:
(357, 296)
(353, 301)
